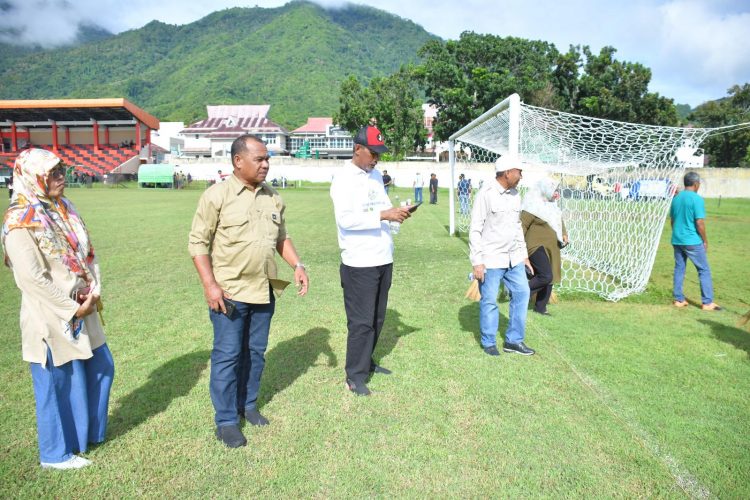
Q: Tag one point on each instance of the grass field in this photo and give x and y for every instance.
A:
(628, 399)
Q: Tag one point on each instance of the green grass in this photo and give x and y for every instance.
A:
(628, 399)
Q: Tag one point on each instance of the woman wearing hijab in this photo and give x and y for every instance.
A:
(47, 246)
(545, 234)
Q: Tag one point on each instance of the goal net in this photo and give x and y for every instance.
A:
(616, 183)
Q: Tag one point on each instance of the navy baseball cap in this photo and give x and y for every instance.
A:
(371, 138)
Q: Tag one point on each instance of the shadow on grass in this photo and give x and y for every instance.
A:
(729, 335)
(290, 359)
(468, 317)
(173, 379)
(393, 330)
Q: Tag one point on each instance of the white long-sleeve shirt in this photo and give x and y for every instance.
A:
(495, 234)
(358, 198)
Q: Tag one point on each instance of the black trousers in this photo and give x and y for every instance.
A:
(365, 301)
(433, 197)
(541, 282)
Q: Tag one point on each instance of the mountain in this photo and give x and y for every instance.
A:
(683, 110)
(293, 57)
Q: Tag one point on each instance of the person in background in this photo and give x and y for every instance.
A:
(363, 212)
(689, 241)
(387, 182)
(47, 246)
(433, 189)
(498, 253)
(464, 194)
(418, 186)
(237, 228)
(544, 232)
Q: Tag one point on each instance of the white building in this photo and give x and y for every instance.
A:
(168, 137)
(212, 137)
(323, 138)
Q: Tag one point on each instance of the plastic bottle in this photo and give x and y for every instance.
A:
(396, 226)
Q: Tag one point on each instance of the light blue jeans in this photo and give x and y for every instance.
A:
(71, 403)
(697, 255)
(518, 288)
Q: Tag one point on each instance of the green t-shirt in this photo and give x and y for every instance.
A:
(686, 208)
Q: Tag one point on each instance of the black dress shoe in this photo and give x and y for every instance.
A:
(231, 435)
(382, 371)
(543, 313)
(357, 389)
(255, 418)
(519, 348)
(492, 350)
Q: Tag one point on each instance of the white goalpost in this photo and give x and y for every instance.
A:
(617, 180)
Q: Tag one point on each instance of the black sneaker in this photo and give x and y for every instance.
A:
(358, 389)
(492, 350)
(255, 418)
(519, 348)
(382, 371)
(231, 435)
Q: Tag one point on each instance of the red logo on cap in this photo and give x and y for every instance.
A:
(374, 137)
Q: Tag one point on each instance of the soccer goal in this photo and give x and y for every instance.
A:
(616, 183)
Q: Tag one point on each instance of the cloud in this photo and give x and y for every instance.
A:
(39, 22)
(705, 46)
(52, 23)
(696, 49)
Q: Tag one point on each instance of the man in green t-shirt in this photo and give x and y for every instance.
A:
(689, 240)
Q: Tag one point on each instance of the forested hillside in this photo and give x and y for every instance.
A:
(292, 57)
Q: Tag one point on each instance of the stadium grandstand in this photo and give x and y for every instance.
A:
(92, 136)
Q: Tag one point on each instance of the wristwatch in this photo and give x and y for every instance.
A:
(300, 265)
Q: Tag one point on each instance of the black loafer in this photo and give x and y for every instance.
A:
(492, 350)
(382, 371)
(543, 313)
(255, 418)
(519, 348)
(357, 389)
(231, 435)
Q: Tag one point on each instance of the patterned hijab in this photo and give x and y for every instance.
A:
(62, 233)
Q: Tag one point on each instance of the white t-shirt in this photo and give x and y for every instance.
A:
(358, 198)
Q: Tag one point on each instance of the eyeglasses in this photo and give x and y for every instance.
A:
(57, 172)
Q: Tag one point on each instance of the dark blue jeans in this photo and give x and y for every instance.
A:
(238, 358)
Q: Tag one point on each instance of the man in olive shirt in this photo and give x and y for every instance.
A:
(237, 226)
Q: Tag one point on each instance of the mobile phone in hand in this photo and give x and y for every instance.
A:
(230, 307)
(414, 208)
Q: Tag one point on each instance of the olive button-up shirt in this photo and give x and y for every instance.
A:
(239, 229)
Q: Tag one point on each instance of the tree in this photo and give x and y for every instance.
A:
(465, 78)
(618, 90)
(731, 149)
(394, 101)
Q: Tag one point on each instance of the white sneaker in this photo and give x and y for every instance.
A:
(74, 462)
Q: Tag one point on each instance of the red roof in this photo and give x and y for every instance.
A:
(315, 125)
(234, 120)
(75, 109)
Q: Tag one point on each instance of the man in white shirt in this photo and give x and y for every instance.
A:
(418, 185)
(498, 253)
(363, 212)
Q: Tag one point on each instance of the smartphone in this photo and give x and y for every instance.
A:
(230, 307)
(414, 208)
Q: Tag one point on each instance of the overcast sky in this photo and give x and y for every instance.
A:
(696, 49)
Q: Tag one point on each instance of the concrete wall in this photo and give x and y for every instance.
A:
(725, 182)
